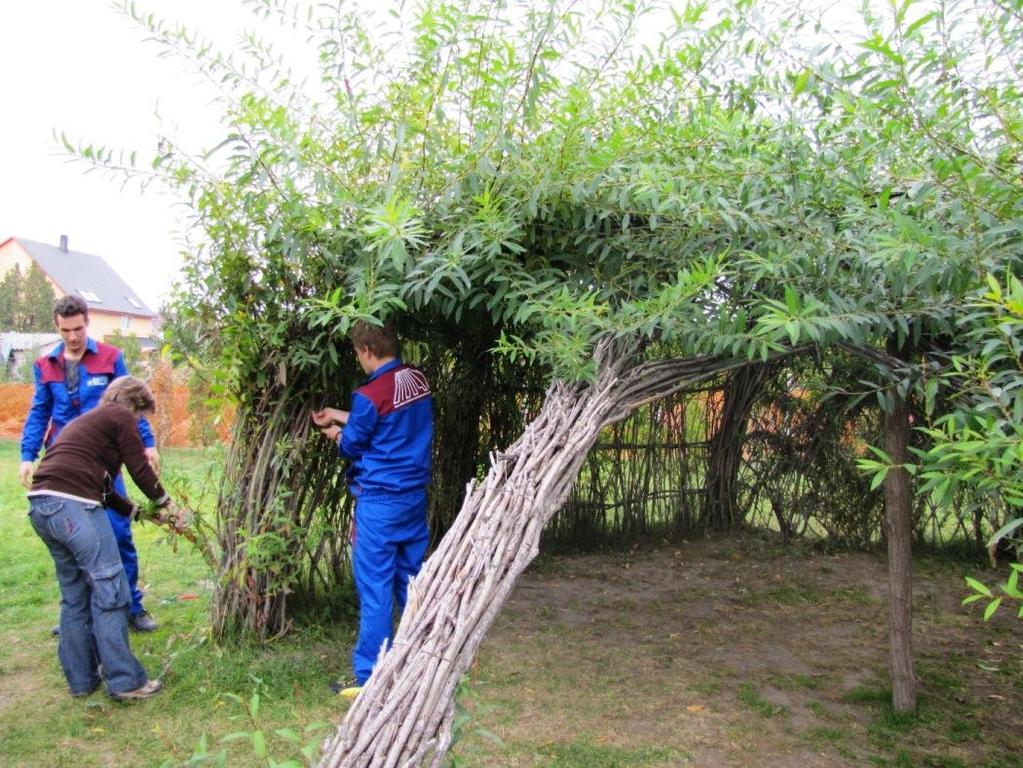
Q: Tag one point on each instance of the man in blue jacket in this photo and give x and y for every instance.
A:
(69, 382)
(387, 436)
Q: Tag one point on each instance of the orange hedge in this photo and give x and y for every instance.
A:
(179, 420)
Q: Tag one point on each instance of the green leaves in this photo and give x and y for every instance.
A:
(503, 156)
(392, 231)
(800, 82)
(261, 746)
(880, 467)
(795, 319)
(1006, 531)
(1010, 590)
(980, 589)
(735, 189)
(979, 445)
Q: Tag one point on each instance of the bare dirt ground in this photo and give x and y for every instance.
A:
(739, 652)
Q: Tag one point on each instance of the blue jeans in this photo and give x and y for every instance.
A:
(94, 595)
(390, 542)
(126, 546)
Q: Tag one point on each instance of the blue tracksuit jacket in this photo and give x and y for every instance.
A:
(53, 406)
(389, 433)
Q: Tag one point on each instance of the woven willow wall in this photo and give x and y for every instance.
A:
(644, 478)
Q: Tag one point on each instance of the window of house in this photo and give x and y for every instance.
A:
(126, 322)
(134, 302)
(89, 295)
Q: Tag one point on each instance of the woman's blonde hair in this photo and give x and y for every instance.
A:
(131, 393)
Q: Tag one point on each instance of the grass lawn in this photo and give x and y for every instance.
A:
(729, 652)
(208, 692)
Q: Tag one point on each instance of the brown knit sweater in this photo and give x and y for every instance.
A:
(88, 454)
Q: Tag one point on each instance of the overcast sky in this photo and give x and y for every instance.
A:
(79, 67)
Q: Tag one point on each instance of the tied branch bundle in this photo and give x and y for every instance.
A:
(181, 522)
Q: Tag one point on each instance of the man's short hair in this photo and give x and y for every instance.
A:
(381, 340)
(69, 306)
(131, 393)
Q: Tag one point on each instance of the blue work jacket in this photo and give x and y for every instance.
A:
(53, 406)
(389, 434)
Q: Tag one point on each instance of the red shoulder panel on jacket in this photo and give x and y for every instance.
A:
(50, 369)
(396, 389)
(103, 361)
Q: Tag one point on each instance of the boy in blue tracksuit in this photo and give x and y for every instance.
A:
(387, 436)
(69, 382)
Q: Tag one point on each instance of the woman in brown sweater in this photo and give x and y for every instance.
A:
(71, 487)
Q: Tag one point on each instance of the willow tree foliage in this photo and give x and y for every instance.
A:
(535, 181)
(518, 177)
(979, 444)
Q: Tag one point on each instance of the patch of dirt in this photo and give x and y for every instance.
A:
(738, 652)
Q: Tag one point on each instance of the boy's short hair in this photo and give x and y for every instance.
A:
(69, 306)
(381, 340)
(130, 392)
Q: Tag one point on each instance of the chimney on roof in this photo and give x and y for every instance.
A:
(63, 243)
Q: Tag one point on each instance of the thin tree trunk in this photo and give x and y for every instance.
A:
(898, 509)
(720, 498)
(459, 399)
(263, 512)
(403, 716)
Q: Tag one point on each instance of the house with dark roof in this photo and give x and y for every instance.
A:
(113, 305)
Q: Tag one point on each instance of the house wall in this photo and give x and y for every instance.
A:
(101, 324)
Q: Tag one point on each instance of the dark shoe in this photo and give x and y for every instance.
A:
(150, 689)
(55, 631)
(143, 622)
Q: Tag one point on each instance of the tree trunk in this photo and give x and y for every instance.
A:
(720, 498)
(403, 716)
(898, 509)
(460, 395)
(273, 487)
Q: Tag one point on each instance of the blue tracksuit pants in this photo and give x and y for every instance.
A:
(126, 546)
(388, 548)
